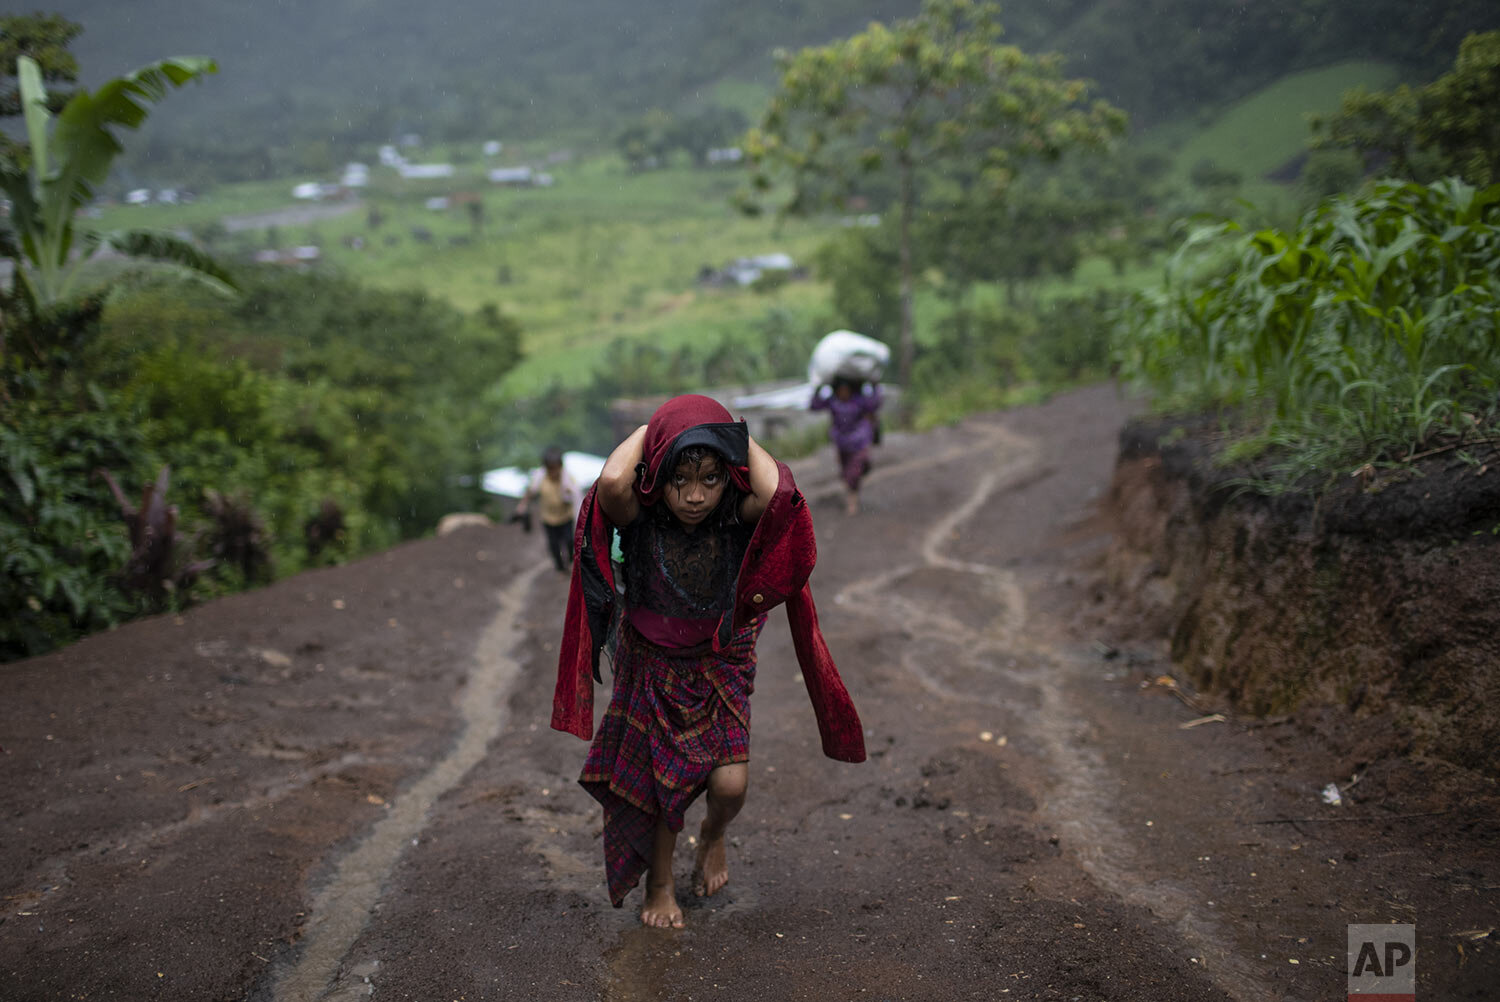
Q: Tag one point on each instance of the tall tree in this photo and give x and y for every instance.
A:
(45, 38)
(1449, 127)
(936, 94)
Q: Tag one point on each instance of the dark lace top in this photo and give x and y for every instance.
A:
(678, 583)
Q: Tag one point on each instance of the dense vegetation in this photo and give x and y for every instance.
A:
(161, 442)
(1365, 336)
(307, 420)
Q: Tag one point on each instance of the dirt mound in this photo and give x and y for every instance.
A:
(1377, 596)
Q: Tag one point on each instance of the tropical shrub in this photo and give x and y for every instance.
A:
(62, 543)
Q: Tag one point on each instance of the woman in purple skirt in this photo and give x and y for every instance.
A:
(852, 408)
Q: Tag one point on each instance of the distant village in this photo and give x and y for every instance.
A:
(399, 160)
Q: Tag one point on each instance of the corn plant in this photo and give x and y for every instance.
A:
(1367, 335)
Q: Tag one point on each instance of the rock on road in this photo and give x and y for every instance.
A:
(344, 786)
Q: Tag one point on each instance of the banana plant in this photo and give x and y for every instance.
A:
(70, 157)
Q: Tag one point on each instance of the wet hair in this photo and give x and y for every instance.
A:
(727, 512)
(552, 456)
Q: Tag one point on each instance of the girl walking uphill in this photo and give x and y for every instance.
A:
(851, 408)
(714, 534)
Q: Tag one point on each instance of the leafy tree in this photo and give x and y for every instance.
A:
(863, 266)
(715, 126)
(66, 165)
(1447, 128)
(929, 94)
(44, 38)
(646, 142)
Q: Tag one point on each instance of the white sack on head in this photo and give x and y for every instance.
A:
(847, 355)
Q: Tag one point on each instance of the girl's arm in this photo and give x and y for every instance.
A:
(764, 476)
(820, 398)
(617, 480)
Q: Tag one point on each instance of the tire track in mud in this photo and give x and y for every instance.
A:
(1004, 649)
(341, 909)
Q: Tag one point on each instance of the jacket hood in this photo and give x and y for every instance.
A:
(691, 419)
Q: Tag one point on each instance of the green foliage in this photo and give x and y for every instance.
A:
(988, 356)
(933, 93)
(308, 394)
(862, 266)
(66, 165)
(61, 539)
(44, 38)
(776, 347)
(1446, 128)
(1367, 334)
(647, 142)
(309, 387)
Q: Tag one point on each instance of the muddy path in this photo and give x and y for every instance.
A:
(344, 787)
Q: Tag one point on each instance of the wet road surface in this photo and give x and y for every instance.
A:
(365, 800)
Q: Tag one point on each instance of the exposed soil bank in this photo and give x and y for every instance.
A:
(1375, 608)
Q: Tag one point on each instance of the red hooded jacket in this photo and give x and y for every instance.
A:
(777, 564)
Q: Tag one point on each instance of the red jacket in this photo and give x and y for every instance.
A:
(776, 567)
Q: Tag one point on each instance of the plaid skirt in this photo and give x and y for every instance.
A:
(853, 466)
(675, 715)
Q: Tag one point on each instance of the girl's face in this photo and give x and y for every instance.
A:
(695, 489)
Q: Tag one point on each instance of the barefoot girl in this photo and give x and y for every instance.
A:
(714, 534)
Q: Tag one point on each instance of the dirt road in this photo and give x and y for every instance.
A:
(345, 786)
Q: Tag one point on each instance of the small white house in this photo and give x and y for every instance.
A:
(308, 191)
(512, 175)
(492, 148)
(138, 196)
(414, 172)
(746, 270)
(355, 175)
(390, 158)
(726, 155)
(438, 203)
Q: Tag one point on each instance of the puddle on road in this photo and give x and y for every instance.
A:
(342, 908)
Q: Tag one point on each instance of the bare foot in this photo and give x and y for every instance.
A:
(660, 909)
(711, 866)
(851, 503)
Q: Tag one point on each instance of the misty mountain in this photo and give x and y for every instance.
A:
(363, 69)
(298, 73)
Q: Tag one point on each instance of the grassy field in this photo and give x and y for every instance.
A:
(602, 254)
(1266, 130)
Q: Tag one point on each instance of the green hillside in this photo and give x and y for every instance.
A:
(304, 84)
(1265, 130)
(607, 254)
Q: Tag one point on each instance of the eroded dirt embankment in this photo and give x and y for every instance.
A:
(1377, 606)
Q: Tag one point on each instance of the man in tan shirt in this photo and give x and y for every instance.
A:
(557, 498)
